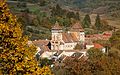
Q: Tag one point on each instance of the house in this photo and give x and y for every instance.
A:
(104, 36)
(95, 45)
(47, 54)
(61, 55)
(44, 45)
(98, 46)
(66, 41)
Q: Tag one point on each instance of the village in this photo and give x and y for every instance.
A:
(59, 37)
(63, 45)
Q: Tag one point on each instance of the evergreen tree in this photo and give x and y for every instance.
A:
(77, 16)
(57, 11)
(98, 22)
(86, 21)
(16, 57)
(71, 15)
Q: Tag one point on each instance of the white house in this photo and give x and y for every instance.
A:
(96, 45)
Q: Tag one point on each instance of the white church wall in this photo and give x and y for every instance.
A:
(69, 46)
(82, 36)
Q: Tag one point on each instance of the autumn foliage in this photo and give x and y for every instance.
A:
(16, 57)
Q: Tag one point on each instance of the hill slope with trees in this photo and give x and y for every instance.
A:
(38, 16)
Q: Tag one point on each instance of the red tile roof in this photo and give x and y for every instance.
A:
(45, 48)
(41, 42)
(77, 27)
(69, 37)
(74, 38)
(96, 45)
(107, 33)
(56, 26)
(105, 36)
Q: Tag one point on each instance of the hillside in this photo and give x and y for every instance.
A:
(94, 6)
(38, 16)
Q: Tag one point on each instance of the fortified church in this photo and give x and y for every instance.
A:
(67, 40)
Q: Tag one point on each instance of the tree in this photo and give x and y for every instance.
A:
(45, 62)
(115, 39)
(78, 47)
(86, 21)
(105, 25)
(98, 22)
(74, 66)
(57, 11)
(102, 64)
(16, 57)
(77, 16)
(94, 53)
(42, 2)
(97, 63)
(70, 15)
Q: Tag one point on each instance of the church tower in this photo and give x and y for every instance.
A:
(56, 37)
(78, 31)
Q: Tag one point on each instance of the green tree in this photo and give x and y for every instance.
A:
(98, 22)
(86, 21)
(115, 39)
(70, 15)
(42, 2)
(97, 63)
(77, 16)
(78, 47)
(102, 64)
(16, 57)
(57, 11)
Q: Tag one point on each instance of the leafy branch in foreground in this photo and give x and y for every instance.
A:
(16, 57)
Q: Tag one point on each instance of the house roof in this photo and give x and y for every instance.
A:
(69, 37)
(44, 48)
(107, 33)
(58, 53)
(63, 57)
(104, 36)
(74, 38)
(77, 27)
(77, 55)
(41, 42)
(96, 45)
(56, 26)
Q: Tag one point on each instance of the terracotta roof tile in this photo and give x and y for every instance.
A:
(96, 45)
(44, 48)
(74, 38)
(64, 37)
(77, 27)
(56, 26)
(41, 42)
(69, 37)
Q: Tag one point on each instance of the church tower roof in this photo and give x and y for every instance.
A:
(77, 27)
(56, 26)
